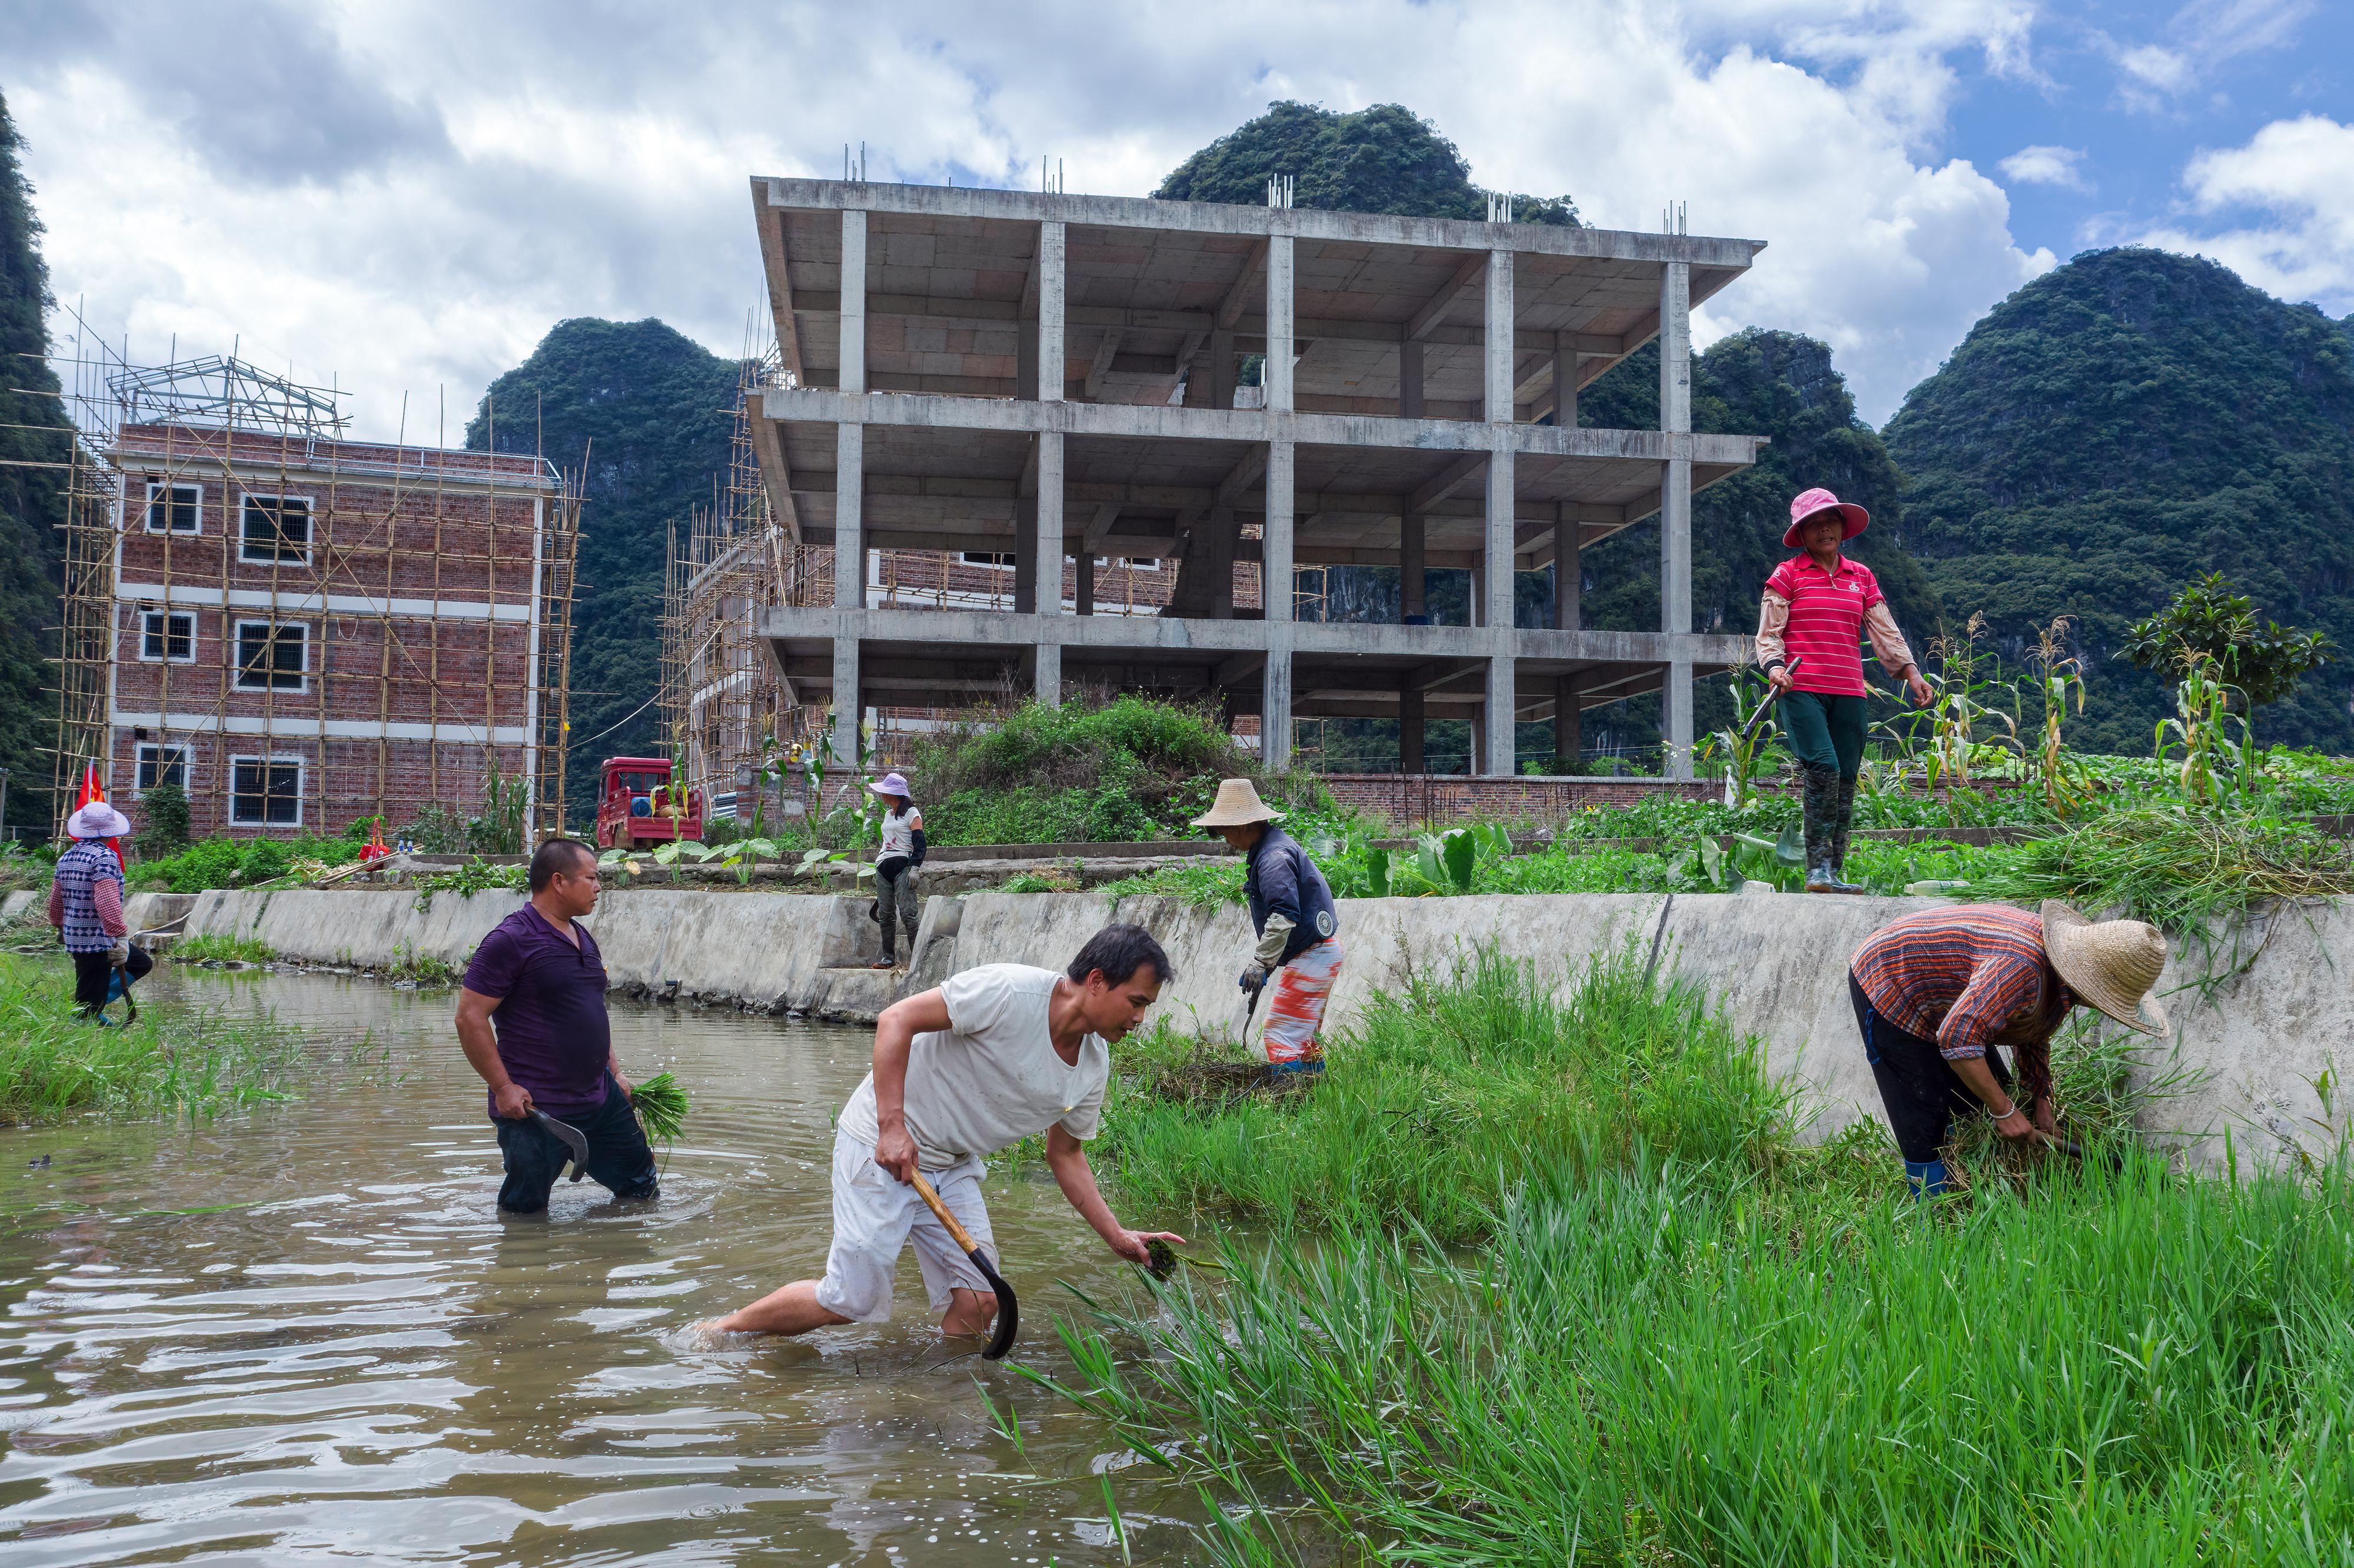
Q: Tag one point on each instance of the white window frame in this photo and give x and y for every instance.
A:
(147, 513)
(1004, 560)
(301, 766)
(138, 760)
(237, 656)
(167, 616)
(310, 530)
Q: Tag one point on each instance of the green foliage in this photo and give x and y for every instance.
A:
(239, 862)
(1205, 883)
(1649, 1366)
(172, 1059)
(34, 431)
(1134, 768)
(1446, 1089)
(165, 808)
(2176, 868)
(2113, 430)
(477, 875)
(643, 413)
(1382, 159)
(2206, 620)
(661, 1105)
(213, 948)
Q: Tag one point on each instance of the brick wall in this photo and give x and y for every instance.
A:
(339, 780)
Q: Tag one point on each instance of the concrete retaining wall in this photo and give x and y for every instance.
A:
(2255, 1043)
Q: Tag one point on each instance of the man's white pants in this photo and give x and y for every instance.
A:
(876, 1214)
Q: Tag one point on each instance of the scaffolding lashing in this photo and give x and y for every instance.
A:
(301, 628)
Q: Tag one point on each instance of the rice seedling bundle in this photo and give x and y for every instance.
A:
(661, 1103)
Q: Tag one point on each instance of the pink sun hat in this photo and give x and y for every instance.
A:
(1810, 501)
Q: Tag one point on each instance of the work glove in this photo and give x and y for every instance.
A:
(1254, 975)
(120, 953)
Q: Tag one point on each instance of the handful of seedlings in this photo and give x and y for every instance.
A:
(661, 1105)
(1165, 1259)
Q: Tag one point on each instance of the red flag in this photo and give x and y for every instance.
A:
(94, 791)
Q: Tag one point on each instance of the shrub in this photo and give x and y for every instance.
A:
(165, 807)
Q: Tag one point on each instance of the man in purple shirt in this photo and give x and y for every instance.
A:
(531, 1018)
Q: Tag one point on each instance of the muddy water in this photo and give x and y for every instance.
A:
(368, 1362)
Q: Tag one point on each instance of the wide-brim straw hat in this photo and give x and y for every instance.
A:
(1237, 806)
(97, 821)
(1808, 503)
(2109, 964)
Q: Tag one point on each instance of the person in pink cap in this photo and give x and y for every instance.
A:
(1819, 606)
(898, 905)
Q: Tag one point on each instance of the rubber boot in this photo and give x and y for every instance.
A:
(1842, 823)
(1926, 1178)
(1819, 809)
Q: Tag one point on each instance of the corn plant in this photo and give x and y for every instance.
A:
(2211, 761)
(1741, 745)
(2059, 677)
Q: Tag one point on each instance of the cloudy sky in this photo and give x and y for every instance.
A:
(405, 197)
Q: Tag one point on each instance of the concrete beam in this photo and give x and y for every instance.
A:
(1434, 309)
(1101, 367)
(1216, 217)
(1238, 296)
(1447, 481)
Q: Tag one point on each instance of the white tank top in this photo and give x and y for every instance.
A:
(899, 830)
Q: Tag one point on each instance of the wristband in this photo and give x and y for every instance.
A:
(2006, 1115)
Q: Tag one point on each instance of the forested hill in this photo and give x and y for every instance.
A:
(2120, 424)
(650, 409)
(33, 429)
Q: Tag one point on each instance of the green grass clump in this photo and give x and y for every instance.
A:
(1646, 1367)
(661, 1105)
(216, 949)
(239, 862)
(2174, 867)
(1447, 1091)
(172, 1059)
(1205, 882)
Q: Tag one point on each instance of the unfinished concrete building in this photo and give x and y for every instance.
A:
(1058, 378)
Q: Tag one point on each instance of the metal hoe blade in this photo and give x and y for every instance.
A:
(1008, 1311)
(569, 1136)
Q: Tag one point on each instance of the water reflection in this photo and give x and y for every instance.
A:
(367, 1359)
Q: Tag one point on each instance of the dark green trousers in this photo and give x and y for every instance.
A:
(1824, 731)
(1826, 735)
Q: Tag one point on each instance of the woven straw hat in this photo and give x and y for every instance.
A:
(2109, 964)
(1238, 805)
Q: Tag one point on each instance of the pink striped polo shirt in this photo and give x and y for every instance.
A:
(1826, 627)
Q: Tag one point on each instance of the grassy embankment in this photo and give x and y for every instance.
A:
(1680, 1335)
(172, 1059)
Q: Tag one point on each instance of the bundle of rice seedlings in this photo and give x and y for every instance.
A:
(661, 1103)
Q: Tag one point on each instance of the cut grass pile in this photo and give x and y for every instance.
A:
(210, 948)
(1685, 1337)
(2174, 867)
(172, 1059)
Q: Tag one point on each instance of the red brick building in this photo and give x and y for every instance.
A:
(308, 630)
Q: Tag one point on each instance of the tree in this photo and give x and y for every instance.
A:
(36, 440)
(2207, 620)
(1384, 159)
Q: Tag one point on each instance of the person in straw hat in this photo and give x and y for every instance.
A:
(897, 902)
(1816, 609)
(1935, 992)
(86, 908)
(1297, 924)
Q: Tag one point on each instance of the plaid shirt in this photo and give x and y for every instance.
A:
(1964, 977)
(86, 895)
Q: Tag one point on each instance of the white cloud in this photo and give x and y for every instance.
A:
(2041, 165)
(486, 172)
(2201, 36)
(2295, 179)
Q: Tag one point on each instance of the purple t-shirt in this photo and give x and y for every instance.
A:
(553, 1033)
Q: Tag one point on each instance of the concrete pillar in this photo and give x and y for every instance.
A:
(1026, 555)
(1675, 515)
(1498, 355)
(1275, 700)
(1275, 588)
(1222, 369)
(1046, 674)
(853, 301)
(1564, 382)
(1568, 574)
(1498, 760)
(1050, 322)
(1046, 538)
(1413, 575)
(849, 508)
(1568, 738)
(1410, 720)
(1411, 379)
(846, 708)
(1086, 581)
(1278, 324)
(1219, 561)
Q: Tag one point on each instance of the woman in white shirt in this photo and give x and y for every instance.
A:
(897, 903)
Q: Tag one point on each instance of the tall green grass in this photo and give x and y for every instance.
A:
(1647, 1368)
(1447, 1092)
(172, 1059)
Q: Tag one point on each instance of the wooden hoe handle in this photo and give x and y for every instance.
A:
(932, 1201)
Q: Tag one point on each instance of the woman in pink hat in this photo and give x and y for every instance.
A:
(898, 905)
(1819, 606)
